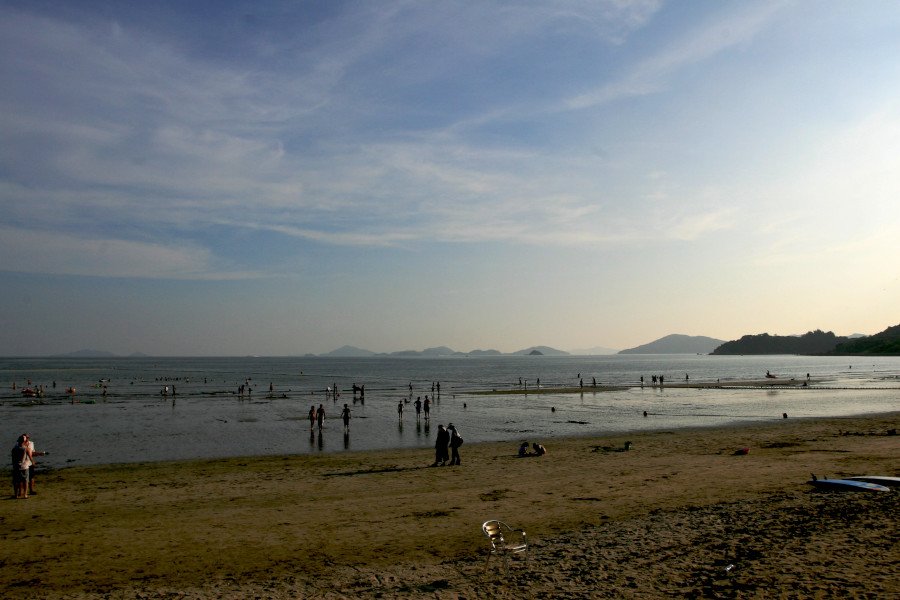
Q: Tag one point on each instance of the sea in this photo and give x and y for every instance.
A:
(126, 410)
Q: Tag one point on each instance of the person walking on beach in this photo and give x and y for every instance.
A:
(312, 417)
(427, 407)
(320, 416)
(400, 410)
(440, 447)
(418, 405)
(345, 415)
(455, 442)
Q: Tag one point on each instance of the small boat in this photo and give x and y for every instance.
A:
(846, 485)
(29, 392)
(891, 482)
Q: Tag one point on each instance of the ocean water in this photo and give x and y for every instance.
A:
(119, 413)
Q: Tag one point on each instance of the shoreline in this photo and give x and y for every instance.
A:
(696, 429)
(383, 524)
(764, 383)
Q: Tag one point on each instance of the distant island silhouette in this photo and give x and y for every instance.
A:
(677, 344)
(815, 342)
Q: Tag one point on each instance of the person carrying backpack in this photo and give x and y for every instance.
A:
(455, 442)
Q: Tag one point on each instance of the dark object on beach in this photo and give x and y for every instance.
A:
(625, 448)
(741, 451)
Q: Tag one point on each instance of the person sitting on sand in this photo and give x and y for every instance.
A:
(523, 449)
(539, 450)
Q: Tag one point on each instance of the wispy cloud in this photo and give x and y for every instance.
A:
(60, 254)
(706, 40)
(120, 132)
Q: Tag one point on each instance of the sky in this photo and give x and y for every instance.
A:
(281, 177)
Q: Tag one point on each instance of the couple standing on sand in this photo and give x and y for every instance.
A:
(23, 454)
(447, 436)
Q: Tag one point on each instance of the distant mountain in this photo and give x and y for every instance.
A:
(812, 342)
(885, 342)
(85, 354)
(439, 351)
(677, 344)
(484, 353)
(596, 350)
(545, 350)
(349, 351)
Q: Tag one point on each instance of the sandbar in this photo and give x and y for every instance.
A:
(679, 514)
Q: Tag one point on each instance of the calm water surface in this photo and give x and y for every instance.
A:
(207, 418)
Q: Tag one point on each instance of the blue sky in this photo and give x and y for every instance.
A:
(277, 178)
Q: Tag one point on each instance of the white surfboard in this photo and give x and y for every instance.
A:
(891, 482)
(846, 485)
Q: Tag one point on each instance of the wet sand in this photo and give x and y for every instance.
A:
(678, 384)
(664, 519)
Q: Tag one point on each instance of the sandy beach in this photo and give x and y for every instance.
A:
(664, 519)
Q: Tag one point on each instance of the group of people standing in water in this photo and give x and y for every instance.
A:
(446, 443)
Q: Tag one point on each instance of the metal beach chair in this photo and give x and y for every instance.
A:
(504, 540)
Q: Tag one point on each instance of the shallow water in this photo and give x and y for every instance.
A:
(206, 418)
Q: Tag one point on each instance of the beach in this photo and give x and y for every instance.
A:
(664, 519)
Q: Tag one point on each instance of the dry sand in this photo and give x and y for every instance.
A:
(662, 520)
